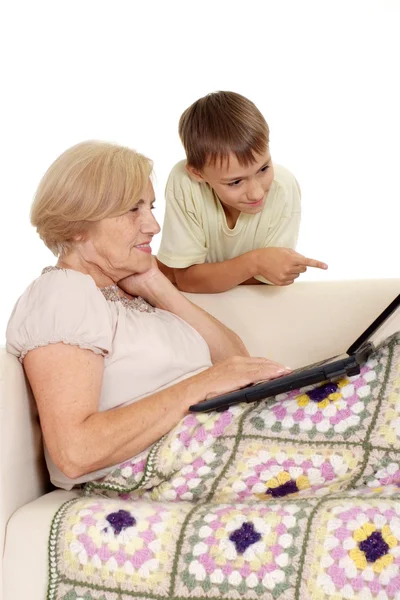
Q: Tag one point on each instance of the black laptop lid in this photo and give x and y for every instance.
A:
(375, 326)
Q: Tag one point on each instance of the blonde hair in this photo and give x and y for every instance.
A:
(88, 182)
(221, 123)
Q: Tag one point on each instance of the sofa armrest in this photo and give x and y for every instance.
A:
(23, 475)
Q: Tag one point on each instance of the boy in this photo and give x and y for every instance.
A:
(232, 217)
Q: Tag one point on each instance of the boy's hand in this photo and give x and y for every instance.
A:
(281, 266)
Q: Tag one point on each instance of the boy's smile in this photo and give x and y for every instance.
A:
(239, 188)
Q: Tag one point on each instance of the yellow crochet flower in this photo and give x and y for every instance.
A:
(305, 399)
(373, 547)
(283, 477)
(283, 485)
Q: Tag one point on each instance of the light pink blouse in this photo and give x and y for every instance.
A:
(145, 349)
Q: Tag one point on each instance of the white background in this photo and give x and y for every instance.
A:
(324, 73)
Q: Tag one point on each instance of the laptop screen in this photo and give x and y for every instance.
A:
(386, 324)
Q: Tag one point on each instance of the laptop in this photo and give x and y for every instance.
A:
(336, 367)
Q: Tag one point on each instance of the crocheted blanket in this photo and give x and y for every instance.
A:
(293, 498)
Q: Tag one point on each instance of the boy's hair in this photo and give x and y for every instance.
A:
(219, 124)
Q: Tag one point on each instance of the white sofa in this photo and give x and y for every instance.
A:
(294, 325)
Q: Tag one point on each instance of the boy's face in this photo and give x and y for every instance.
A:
(242, 189)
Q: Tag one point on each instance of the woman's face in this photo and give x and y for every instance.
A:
(120, 246)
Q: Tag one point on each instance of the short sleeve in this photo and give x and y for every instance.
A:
(183, 240)
(60, 306)
(285, 231)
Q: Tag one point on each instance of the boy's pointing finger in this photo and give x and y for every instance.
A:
(311, 262)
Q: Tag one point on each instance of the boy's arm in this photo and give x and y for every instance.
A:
(280, 266)
(212, 278)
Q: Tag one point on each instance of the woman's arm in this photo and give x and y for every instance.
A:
(80, 439)
(160, 292)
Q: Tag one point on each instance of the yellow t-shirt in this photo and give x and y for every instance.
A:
(195, 230)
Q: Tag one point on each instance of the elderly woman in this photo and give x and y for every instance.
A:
(291, 498)
(114, 353)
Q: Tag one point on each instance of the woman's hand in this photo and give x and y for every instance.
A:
(232, 374)
(140, 284)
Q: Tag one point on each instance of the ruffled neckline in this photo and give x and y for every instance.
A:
(112, 294)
